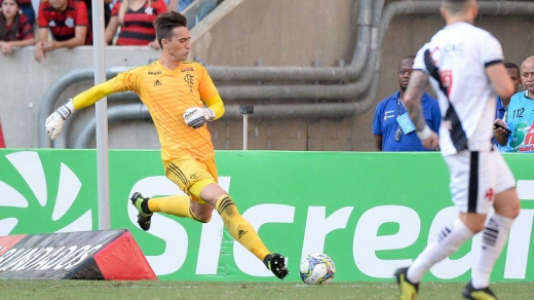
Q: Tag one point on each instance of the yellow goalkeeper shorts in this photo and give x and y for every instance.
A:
(192, 175)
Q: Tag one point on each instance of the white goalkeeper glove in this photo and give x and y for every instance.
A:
(54, 123)
(195, 117)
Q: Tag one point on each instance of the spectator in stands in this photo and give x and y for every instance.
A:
(27, 9)
(392, 127)
(178, 5)
(15, 29)
(502, 103)
(135, 18)
(519, 119)
(107, 15)
(183, 4)
(172, 4)
(107, 11)
(68, 23)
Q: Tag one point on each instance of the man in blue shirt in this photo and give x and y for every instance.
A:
(520, 116)
(392, 127)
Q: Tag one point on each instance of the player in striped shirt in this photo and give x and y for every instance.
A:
(15, 29)
(181, 98)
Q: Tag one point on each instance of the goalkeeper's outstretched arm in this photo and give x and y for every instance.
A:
(54, 123)
(216, 105)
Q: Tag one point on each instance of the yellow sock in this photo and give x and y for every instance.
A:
(239, 228)
(179, 206)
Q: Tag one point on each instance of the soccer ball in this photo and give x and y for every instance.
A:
(317, 268)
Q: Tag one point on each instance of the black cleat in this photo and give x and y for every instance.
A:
(143, 219)
(409, 290)
(470, 292)
(277, 264)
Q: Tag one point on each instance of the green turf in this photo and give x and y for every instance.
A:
(65, 289)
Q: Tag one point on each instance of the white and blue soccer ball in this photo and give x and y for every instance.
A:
(317, 268)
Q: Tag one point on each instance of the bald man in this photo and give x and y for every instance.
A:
(520, 119)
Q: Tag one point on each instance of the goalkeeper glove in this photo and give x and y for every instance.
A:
(195, 117)
(54, 123)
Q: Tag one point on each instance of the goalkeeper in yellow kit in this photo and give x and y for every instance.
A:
(181, 98)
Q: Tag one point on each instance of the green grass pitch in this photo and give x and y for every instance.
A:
(146, 290)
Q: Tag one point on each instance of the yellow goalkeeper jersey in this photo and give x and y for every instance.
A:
(167, 94)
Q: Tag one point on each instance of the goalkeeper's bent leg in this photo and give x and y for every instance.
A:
(239, 228)
(179, 206)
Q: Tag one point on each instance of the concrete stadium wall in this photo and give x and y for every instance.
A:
(25, 82)
(239, 32)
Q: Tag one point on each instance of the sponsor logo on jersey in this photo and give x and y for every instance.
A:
(190, 79)
(157, 82)
(154, 72)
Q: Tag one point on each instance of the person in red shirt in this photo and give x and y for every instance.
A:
(67, 21)
(15, 29)
(135, 17)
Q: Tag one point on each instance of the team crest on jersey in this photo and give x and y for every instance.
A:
(69, 22)
(149, 11)
(154, 72)
(490, 195)
(190, 80)
(436, 55)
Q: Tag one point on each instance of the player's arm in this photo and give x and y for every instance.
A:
(196, 117)
(412, 102)
(412, 98)
(502, 84)
(216, 105)
(54, 123)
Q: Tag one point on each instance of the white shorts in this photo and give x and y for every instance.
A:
(476, 177)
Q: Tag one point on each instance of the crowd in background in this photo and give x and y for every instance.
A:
(68, 23)
(514, 117)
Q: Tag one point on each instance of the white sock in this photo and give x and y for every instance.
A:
(494, 237)
(449, 239)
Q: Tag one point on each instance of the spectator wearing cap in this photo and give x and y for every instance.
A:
(15, 29)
